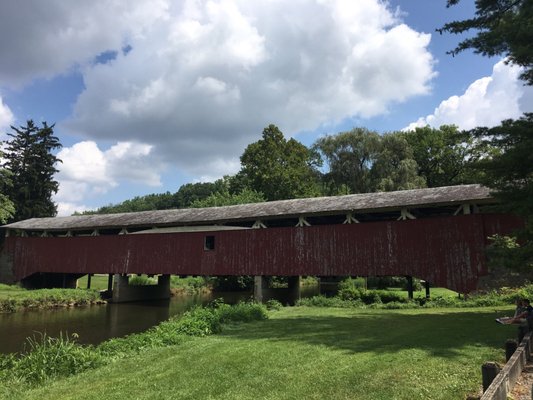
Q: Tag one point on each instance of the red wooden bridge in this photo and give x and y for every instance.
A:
(438, 235)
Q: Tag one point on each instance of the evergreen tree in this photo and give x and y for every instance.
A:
(510, 174)
(7, 208)
(505, 27)
(29, 159)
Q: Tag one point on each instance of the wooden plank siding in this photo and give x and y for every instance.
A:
(446, 251)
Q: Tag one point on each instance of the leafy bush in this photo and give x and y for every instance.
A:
(387, 296)
(242, 312)
(198, 322)
(190, 284)
(349, 293)
(233, 283)
(350, 296)
(273, 304)
(8, 305)
(322, 301)
(141, 280)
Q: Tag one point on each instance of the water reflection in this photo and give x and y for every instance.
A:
(95, 324)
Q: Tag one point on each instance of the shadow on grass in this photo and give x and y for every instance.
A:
(439, 334)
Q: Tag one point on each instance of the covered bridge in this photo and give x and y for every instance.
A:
(435, 234)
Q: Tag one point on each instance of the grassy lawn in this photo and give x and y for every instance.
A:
(434, 292)
(98, 282)
(310, 353)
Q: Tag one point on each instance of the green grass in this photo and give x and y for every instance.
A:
(98, 282)
(311, 353)
(187, 284)
(434, 292)
(14, 298)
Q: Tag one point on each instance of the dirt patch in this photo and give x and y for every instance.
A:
(522, 387)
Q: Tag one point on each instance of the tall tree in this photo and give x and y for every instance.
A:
(7, 208)
(225, 198)
(445, 156)
(188, 193)
(362, 161)
(504, 27)
(510, 174)
(279, 168)
(395, 167)
(31, 163)
(348, 156)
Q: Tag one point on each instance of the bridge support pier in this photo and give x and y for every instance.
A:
(329, 285)
(262, 291)
(124, 292)
(294, 289)
(410, 287)
(260, 288)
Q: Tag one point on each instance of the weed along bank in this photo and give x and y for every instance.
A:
(435, 234)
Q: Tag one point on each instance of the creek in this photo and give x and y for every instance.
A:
(94, 324)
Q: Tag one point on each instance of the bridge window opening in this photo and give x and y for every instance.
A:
(209, 243)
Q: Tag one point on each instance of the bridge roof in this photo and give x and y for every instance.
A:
(317, 206)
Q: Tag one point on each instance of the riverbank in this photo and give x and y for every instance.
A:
(304, 352)
(14, 298)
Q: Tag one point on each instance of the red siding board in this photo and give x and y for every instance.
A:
(447, 251)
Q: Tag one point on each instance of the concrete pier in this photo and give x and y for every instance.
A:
(329, 285)
(294, 289)
(260, 288)
(263, 292)
(124, 292)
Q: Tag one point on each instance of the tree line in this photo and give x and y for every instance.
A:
(357, 161)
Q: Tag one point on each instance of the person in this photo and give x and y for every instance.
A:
(523, 311)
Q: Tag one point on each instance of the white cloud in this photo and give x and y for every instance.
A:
(87, 172)
(43, 39)
(200, 79)
(66, 209)
(486, 102)
(205, 77)
(6, 117)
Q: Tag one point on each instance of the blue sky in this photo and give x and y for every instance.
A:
(152, 94)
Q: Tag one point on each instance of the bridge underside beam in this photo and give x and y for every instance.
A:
(50, 280)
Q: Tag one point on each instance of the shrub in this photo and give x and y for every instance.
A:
(141, 280)
(350, 293)
(352, 283)
(242, 312)
(390, 296)
(322, 301)
(273, 304)
(8, 305)
(198, 322)
(190, 284)
(233, 283)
